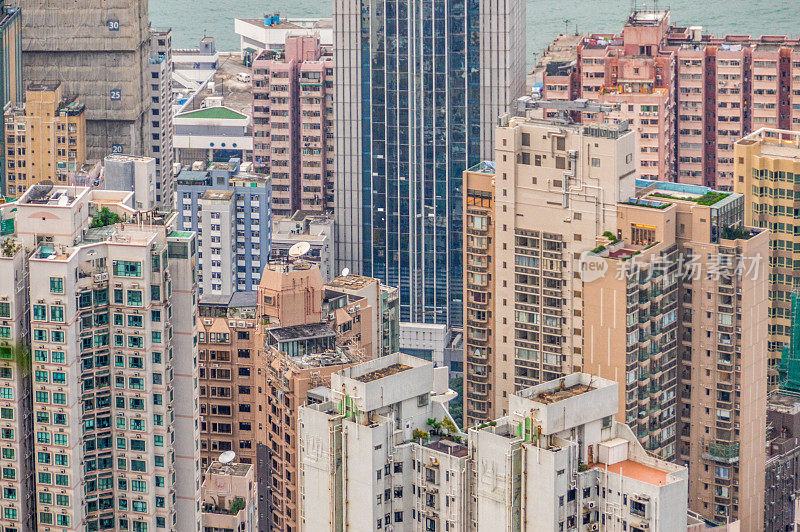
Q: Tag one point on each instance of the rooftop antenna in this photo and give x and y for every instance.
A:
(566, 25)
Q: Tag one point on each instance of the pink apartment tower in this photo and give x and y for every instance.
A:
(688, 95)
(293, 124)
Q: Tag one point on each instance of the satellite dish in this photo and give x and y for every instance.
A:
(299, 249)
(345, 272)
(227, 457)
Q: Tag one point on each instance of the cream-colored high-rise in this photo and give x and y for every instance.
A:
(767, 173)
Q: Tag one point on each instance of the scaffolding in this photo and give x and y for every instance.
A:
(789, 367)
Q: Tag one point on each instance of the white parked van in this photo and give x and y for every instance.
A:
(244, 77)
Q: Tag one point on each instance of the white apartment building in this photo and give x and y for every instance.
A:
(359, 466)
(114, 361)
(16, 439)
(558, 462)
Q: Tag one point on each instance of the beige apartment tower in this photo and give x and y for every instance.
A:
(45, 138)
(556, 188)
(658, 286)
(768, 175)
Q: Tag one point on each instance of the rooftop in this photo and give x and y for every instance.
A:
(352, 282)
(381, 373)
(234, 470)
(45, 193)
(301, 332)
(561, 393)
(213, 113)
(636, 471)
(448, 447)
(44, 86)
(224, 195)
(483, 167)
(331, 357)
(290, 24)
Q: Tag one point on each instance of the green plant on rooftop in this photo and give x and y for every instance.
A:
(237, 505)
(105, 217)
(709, 198)
(419, 435)
(735, 232)
(599, 249)
(9, 247)
(611, 236)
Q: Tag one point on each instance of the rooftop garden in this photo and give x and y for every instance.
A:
(736, 232)
(660, 205)
(709, 198)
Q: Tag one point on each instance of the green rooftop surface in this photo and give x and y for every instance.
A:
(181, 234)
(213, 113)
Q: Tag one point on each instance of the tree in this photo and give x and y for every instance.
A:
(456, 406)
(105, 217)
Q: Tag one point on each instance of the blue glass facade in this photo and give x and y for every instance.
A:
(421, 128)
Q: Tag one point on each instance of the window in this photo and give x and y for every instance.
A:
(57, 285)
(40, 312)
(127, 268)
(135, 298)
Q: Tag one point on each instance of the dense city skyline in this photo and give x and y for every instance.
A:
(377, 272)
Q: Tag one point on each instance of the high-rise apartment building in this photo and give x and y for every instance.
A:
(45, 138)
(596, 285)
(16, 413)
(554, 189)
(370, 459)
(160, 130)
(11, 88)
(631, 325)
(113, 366)
(418, 91)
(702, 92)
(231, 396)
(768, 176)
(293, 124)
(308, 330)
(100, 52)
(229, 209)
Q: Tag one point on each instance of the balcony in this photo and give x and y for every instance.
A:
(722, 452)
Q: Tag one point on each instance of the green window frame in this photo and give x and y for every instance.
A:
(57, 285)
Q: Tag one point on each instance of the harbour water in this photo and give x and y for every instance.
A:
(191, 19)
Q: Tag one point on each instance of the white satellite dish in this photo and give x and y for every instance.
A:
(345, 272)
(299, 249)
(227, 457)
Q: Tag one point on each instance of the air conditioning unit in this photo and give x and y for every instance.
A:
(100, 277)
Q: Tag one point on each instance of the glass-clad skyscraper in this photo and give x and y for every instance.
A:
(419, 86)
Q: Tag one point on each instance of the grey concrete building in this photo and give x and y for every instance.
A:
(99, 50)
(159, 122)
